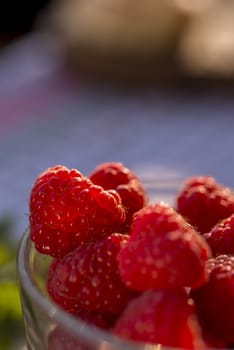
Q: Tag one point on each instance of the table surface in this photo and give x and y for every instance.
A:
(48, 117)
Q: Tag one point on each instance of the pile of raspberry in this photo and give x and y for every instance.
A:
(148, 273)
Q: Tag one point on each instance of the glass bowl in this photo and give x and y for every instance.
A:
(47, 327)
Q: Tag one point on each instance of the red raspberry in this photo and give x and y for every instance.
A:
(221, 237)
(67, 209)
(100, 320)
(215, 299)
(116, 176)
(211, 340)
(161, 317)
(204, 202)
(111, 174)
(163, 251)
(88, 278)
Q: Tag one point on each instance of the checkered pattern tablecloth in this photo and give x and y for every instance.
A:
(47, 118)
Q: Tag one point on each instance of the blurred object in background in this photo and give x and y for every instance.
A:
(118, 39)
(194, 6)
(18, 17)
(131, 40)
(207, 45)
(11, 322)
(148, 40)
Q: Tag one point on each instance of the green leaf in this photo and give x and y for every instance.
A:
(6, 229)
(10, 333)
(8, 273)
(9, 302)
(11, 321)
(5, 253)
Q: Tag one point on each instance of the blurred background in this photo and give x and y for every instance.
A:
(148, 83)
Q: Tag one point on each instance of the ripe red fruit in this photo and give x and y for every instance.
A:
(88, 278)
(204, 202)
(161, 317)
(100, 320)
(211, 339)
(215, 299)
(221, 237)
(67, 209)
(163, 251)
(113, 175)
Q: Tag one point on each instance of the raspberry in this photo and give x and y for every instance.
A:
(67, 209)
(215, 299)
(97, 319)
(116, 176)
(211, 340)
(163, 251)
(111, 174)
(88, 278)
(161, 317)
(204, 202)
(221, 237)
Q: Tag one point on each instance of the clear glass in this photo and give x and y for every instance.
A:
(47, 327)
